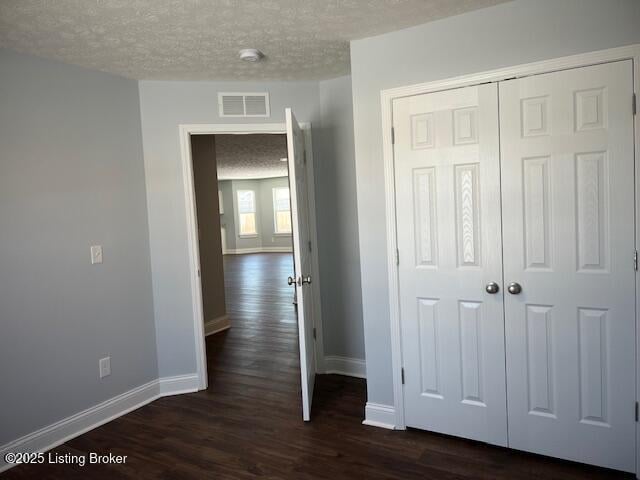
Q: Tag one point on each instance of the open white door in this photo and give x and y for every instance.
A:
(302, 257)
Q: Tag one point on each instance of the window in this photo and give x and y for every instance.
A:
(247, 213)
(281, 210)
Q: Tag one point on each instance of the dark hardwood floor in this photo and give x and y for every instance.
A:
(248, 423)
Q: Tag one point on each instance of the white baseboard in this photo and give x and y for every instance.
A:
(75, 425)
(240, 251)
(216, 325)
(378, 415)
(179, 384)
(277, 249)
(352, 367)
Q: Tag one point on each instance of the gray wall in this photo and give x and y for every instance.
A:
(339, 255)
(508, 34)
(228, 219)
(165, 105)
(71, 176)
(326, 104)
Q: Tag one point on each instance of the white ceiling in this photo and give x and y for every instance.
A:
(251, 156)
(199, 39)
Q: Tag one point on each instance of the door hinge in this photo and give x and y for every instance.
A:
(309, 245)
(635, 260)
(393, 136)
(402, 374)
(397, 257)
(198, 272)
(634, 106)
(314, 333)
(304, 156)
(636, 411)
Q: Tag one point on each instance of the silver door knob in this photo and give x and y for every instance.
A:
(290, 281)
(492, 288)
(514, 288)
(306, 280)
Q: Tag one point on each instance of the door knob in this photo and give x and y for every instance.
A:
(306, 280)
(290, 281)
(514, 288)
(492, 288)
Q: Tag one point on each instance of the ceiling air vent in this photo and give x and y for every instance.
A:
(243, 104)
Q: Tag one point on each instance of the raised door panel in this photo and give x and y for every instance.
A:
(540, 360)
(593, 347)
(536, 212)
(592, 211)
(467, 215)
(470, 318)
(426, 225)
(428, 347)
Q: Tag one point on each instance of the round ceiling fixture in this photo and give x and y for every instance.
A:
(250, 55)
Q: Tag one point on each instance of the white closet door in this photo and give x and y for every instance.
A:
(448, 219)
(568, 219)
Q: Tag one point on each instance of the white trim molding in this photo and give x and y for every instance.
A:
(185, 131)
(178, 384)
(351, 367)
(75, 425)
(242, 251)
(387, 97)
(217, 325)
(378, 415)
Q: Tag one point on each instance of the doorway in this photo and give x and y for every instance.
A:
(299, 154)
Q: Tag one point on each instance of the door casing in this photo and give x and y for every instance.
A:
(631, 52)
(185, 131)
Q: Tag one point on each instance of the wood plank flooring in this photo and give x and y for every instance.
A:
(248, 424)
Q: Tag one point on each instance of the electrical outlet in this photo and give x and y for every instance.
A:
(96, 254)
(105, 367)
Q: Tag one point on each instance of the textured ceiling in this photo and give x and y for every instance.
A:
(200, 39)
(251, 156)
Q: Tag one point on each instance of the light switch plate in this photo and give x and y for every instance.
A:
(96, 254)
(105, 367)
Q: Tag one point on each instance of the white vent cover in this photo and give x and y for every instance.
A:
(243, 104)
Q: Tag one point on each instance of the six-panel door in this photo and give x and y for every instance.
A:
(561, 186)
(568, 226)
(448, 215)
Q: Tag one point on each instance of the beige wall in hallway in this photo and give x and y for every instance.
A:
(205, 179)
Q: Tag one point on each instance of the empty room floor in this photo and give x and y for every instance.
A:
(248, 423)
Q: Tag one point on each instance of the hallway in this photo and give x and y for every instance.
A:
(260, 350)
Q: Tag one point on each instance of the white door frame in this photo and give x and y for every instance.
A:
(631, 52)
(185, 132)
